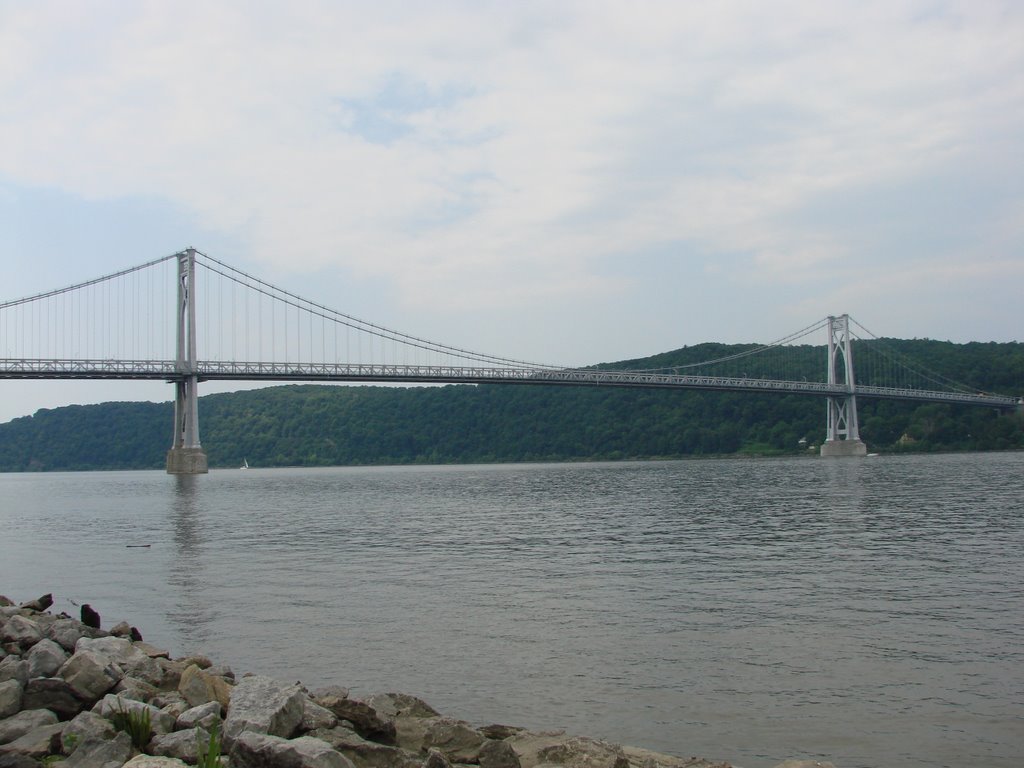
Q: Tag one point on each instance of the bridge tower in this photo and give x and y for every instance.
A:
(843, 435)
(186, 456)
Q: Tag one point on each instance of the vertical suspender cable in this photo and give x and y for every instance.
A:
(223, 334)
(206, 313)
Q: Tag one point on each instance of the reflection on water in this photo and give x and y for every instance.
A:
(865, 611)
(191, 612)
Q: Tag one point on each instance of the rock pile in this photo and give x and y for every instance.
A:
(74, 695)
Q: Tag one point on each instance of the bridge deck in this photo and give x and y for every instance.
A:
(168, 370)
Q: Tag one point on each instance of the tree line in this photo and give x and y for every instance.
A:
(326, 425)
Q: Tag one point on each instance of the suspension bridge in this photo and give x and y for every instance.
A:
(150, 321)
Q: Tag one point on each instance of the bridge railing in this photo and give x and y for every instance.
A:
(88, 369)
(169, 370)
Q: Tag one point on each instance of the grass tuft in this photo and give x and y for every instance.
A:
(209, 753)
(136, 723)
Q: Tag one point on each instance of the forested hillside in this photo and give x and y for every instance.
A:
(313, 425)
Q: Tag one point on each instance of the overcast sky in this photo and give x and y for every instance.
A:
(568, 182)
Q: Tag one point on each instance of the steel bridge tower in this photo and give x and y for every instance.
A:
(186, 456)
(843, 434)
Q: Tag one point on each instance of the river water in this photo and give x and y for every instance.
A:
(868, 612)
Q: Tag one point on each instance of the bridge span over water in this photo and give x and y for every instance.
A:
(146, 322)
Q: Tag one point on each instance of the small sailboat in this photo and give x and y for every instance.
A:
(245, 463)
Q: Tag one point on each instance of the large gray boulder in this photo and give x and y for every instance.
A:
(171, 701)
(14, 668)
(500, 732)
(204, 716)
(363, 753)
(118, 649)
(37, 743)
(90, 674)
(54, 694)
(21, 631)
(10, 698)
(367, 722)
(260, 750)
(555, 747)
(18, 725)
(153, 761)
(18, 761)
(100, 753)
(411, 717)
(39, 604)
(134, 661)
(649, 759)
(67, 632)
(459, 742)
(175, 708)
(183, 745)
(498, 754)
(199, 687)
(45, 658)
(85, 726)
(154, 652)
(394, 705)
(221, 670)
(314, 716)
(109, 705)
(200, 660)
(133, 688)
(436, 759)
(171, 670)
(121, 629)
(42, 620)
(263, 705)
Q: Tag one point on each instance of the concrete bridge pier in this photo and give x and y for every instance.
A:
(186, 461)
(843, 448)
(186, 456)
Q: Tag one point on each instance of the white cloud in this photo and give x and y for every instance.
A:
(478, 154)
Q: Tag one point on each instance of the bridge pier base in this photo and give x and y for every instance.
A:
(186, 461)
(842, 448)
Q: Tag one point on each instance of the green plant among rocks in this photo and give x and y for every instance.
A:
(70, 741)
(209, 753)
(136, 723)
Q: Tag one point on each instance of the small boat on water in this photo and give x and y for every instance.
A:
(245, 463)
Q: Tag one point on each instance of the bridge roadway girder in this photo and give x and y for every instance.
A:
(169, 371)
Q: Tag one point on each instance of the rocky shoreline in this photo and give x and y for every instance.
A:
(75, 695)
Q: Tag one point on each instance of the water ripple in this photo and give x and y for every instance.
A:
(864, 612)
